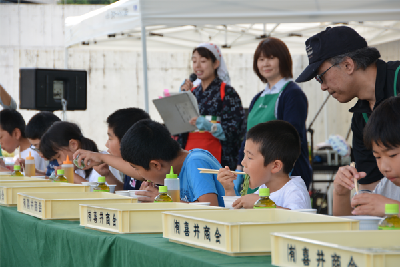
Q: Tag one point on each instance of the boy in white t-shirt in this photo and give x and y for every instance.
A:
(271, 150)
(381, 135)
(12, 136)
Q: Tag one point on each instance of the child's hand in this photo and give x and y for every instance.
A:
(20, 162)
(57, 168)
(150, 195)
(370, 204)
(54, 173)
(246, 201)
(90, 159)
(344, 179)
(102, 169)
(226, 177)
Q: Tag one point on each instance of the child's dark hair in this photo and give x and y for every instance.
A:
(121, 120)
(277, 140)
(58, 136)
(39, 124)
(148, 140)
(10, 120)
(384, 125)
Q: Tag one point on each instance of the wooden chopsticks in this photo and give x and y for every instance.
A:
(353, 164)
(212, 171)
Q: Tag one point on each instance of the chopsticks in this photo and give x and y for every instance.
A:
(353, 164)
(212, 171)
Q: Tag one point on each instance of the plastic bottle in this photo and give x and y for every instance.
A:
(101, 187)
(264, 201)
(392, 220)
(163, 196)
(30, 165)
(17, 171)
(60, 177)
(68, 168)
(172, 182)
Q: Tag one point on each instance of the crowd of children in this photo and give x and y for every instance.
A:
(143, 150)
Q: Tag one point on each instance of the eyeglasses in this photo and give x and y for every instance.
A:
(34, 148)
(319, 77)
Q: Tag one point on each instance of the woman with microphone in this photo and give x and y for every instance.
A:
(221, 112)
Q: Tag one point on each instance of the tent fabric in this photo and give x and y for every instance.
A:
(291, 20)
(120, 16)
(193, 12)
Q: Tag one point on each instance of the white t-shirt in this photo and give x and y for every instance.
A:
(387, 189)
(114, 171)
(293, 195)
(117, 174)
(94, 175)
(40, 163)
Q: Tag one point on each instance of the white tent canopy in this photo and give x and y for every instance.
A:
(191, 12)
(232, 24)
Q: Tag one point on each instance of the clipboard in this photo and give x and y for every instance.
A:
(176, 111)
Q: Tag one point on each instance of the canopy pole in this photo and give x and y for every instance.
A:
(65, 57)
(144, 53)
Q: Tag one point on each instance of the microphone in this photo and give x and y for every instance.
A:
(193, 77)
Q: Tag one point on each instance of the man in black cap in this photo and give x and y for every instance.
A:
(341, 61)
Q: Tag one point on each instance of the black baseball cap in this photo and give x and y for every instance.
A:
(327, 44)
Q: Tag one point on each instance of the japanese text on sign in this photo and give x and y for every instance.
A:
(321, 258)
(206, 231)
(101, 218)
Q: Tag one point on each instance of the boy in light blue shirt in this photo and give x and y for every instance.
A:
(149, 148)
(195, 184)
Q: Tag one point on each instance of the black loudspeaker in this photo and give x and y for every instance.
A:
(43, 89)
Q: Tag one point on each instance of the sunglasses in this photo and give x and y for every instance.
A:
(319, 77)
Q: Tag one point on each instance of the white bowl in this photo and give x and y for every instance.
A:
(39, 177)
(201, 203)
(228, 200)
(92, 187)
(112, 187)
(313, 211)
(122, 193)
(132, 193)
(5, 173)
(366, 222)
(89, 183)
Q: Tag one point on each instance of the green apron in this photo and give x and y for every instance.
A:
(365, 115)
(263, 109)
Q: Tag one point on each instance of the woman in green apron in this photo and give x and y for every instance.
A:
(281, 99)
